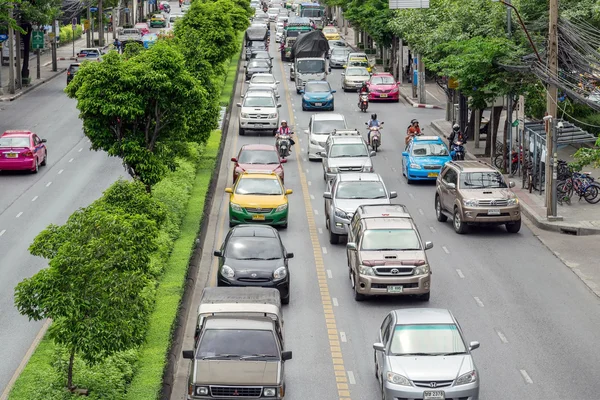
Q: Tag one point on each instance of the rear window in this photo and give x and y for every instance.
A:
(482, 180)
(74, 68)
(18, 141)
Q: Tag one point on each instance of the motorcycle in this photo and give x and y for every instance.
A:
(375, 141)
(458, 151)
(283, 145)
(363, 102)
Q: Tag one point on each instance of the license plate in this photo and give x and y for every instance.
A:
(434, 395)
(258, 125)
(383, 95)
(493, 212)
(318, 104)
(258, 217)
(11, 155)
(432, 174)
(394, 289)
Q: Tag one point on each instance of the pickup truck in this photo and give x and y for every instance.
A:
(130, 34)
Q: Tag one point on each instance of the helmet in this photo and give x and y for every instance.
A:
(364, 84)
(283, 121)
(414, 121)
(456, 127)
(373, 116)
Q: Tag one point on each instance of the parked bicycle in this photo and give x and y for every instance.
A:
(582, 184)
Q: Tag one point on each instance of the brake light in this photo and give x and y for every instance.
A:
(27, 153)
(68, 72)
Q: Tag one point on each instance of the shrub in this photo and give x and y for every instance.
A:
(66, 34)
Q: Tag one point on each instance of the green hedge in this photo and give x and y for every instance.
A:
(66, 33)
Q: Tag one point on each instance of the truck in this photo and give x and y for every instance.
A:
(309, 64)
(255, 39)
(130, 35)
(238, 345)
(294, 28)
(314, 11)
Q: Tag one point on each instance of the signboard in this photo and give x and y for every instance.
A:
(37, 40)
(74, 24)
(3, 38)
(404, 4)
(127, 11)
(93, 9)
(86, 24)
(405, 59)
(452, 83)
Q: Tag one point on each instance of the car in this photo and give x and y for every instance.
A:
(338, 57)
(424, 157)
(345, 192)
(185, 5)
(260, 88)
(90, 52)
(259, 112)
(383, 86)
(475, 193)
(273, 12)
(345, 151)
(421, 353)
(331, 33)
(279, 31)
(320, 127)
(256, 65)
(158, 20)
(385, 253)
(258, 198)
(22, 150)
(282, 18)
(265, 79)
(354, 77)
(357, 54)
(173, 18)
(254, 46)
(261, 17)
(317, 95)
(258, 157)
(142, 27)
(337, 44)
(262, 55)
(72, 70)
(358, 62)
(254, 255)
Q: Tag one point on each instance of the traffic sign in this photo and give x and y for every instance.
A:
(3, 38)
(126, 10)
(86, 24)
(37, 40)
(74, 23)
(93, 9)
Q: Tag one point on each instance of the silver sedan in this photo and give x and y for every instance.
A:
(421, 354)
(354, 77)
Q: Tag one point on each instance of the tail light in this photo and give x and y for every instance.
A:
(68, 73)
(27, 153)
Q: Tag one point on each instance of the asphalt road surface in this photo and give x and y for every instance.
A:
(536, 321)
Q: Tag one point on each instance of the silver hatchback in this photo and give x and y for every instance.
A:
(421, 354)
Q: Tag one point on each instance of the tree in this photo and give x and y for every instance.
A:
(96, 288)
(372, 16)
(142, 109)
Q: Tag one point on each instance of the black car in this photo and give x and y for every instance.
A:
(257, 65)
(253, 255)
(71, 71)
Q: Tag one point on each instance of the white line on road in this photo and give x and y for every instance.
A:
(309, 183)
(351, 378)
(312, 197)
(421, 212)
(61, 171)
(429, 93)
(303, 159)
(411, 196)
(34, 199)
(478, 301)
(71, 160)
(393, 169)
(432, 229)
(343, 337)
(324, 249)
(503, 338)
(526, 376)
(320, 231)
(316, 212)
(2, 232)
(19, 214)
(80, 150)
(48, 184)
(307, 170)
(329, 274)
(445, 250)
(460, 274)
(335, 301)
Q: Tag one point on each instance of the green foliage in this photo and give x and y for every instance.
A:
(372, 16)
(588, 156)
(39, 12)
(66, 33)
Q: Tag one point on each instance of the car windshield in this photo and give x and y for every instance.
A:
(14, 141)
(273, 10)
(255, 186)
(348, 150)
(312, 13)
(340, 52)
(329, 30)
(258, 157)
(322, 127)
(390, 239)
(311, 66)
(357, 72)
(434, 340)
(258, 63)
(360, 190)
(482, 180)
(261, 101)
(253, 248)
(237, 343)
(429, 149)
(382, 80)
(262, 79)
(74, 68)
(317, 87)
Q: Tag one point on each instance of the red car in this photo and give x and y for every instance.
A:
(258, 157)
(22, 150)
(143, 27)
(383, 86)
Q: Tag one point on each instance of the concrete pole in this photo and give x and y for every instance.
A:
(400, 61)
(18, 74)
(421, 90)
(54, 46)
(88, 36)
(509, 101)
(11, 55)
(100, 24)
(551, 100)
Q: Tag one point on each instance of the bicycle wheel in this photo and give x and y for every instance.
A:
(498, 161)
(564, 191)
(592, 193)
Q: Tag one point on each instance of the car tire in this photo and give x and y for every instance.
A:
(441, 217)
(284, 226)
(286, 300)
(333, 237)
(45, 160)
(425, 297)
(36, 167)
(459, 226)
(514, 227)
(303, 108)
(242, 131)
(357, 296)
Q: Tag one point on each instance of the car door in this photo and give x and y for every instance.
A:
(406, 159)
(38, 147)
(352, 231)
(383, 337)
(449, 193)
(331, 187)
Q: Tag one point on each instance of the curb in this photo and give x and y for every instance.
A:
(31, 87)
(420, 105)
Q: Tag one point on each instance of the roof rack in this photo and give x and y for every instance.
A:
(467, 163)
(345, 132)
(384, 211)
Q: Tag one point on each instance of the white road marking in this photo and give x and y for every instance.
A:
(526, 376)
(429, 93)
(80, 150)
(324, 249)
(478, 301)
(312, 197)
(351, 378)
(307, 170)
(329, 274)
(503, 338)
(421, 211)
(48, 184)
(411, 196)
(460, 274)
(61, 171)
(316, 212)
(393, 169)
(335, 301)
(343, 337)
(2, 232)
(34, 199)
(445, 250)
(19, 214)
(320, 231)
(432, 229)
(309, 183)
(71, 160)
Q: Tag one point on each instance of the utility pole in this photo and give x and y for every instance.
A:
(551, 101)
(11, 54)
(507, 153)
(421, 82)
(88, 41)
(18, 73)
(56, 29)
(100, 24)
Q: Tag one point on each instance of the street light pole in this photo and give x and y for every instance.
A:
(522, 26)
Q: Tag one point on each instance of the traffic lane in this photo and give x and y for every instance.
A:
(48, 112)
(80, 183)
(524, 250)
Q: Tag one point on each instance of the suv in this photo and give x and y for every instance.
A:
(345, 192)
(345, 151)
(320, 127)
(259, 112)
(386, 255)
(475, 193)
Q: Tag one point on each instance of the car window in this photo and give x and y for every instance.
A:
(36, 140)
(482, 180)
(348, 150)
(245, 342)
(386, 329)
(427, 339)
(358, 64)
(18, 141)
(258, 63)
(429, 149)
(258, 157)
(253, 248)
(262, 101)
(390, 239)
(262, 79)
(340, 52)
(269, 187)
(317, 87)
(450, 176)
(354, 223)
(311, 66)
(322, 127)
(382, 80)
(357, 72)
(360, 190)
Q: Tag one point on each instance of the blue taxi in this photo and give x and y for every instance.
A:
(424, 158)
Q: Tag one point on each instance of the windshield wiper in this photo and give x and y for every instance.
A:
(251, 258)
(220, 356)
(413, 354)
(258, 356)
(451, 354)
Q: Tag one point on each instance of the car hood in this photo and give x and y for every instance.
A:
(262, 268)
(265, 110)
(488, 194)
(317, 96)
(236, 372)
(382, 87)
(393, 256)
(431, 368)
(319, 137)
(348, 162)
(351, 205)
(259, 69)
(337, 58)
(430, 160)
(258, 201)
(355, 78)
(259, 167)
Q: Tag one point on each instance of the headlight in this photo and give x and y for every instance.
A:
(306, 97)
(269, 392)
(469, 377)
(273, 115)
(281, 207)
(280, 273)
(513, 202)
(397, 379)
(367, 168)
(421, 270)
(330, 97)
(341, 213)
(363, 270)
(235, 207)
(312, 141)
(470, 202)
(227, 271)
(394, 90)
(415, 166)
(332, 170)
(201, 391)
(244, 115)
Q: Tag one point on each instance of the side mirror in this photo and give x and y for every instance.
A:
(451, 185)
(393, 195)
(45, 141)
(283, 160)
(306, 131)
(382, 122)
(248, 81)
(366, 123)
(405, 154)
(327, 195)
(233, 159)
(277, 82)
(428, 245)
(278, 105)
(351, 246)
(228, 190)
(286, 355)
(333, 91)
(188, 354)
(343, 74)
(301, 91)
(511, 184)
(289, 191)
(373, 154)
(217, 253)
(322, 154)
(378, 347)
(289, 255)
(473, 345)
(239, 104)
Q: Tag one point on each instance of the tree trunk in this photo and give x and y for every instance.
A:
(505, 150)
(70, 371)
(26, 45)
(471, 125)
(492, 130)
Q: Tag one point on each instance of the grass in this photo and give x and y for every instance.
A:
(39, 371)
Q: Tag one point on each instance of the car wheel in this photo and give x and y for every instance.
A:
(36, 167)
(45, 160)
(357, 296)
(286, 300)
(242, 132)
(438, 210)
(333, 237)
(303, 108)
(425, 297)
(459, 226)
(231, 224)
(513, 227)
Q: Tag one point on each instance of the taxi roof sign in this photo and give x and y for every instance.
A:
(427, 138)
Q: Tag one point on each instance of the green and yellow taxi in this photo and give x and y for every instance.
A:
(359, 62)
(258, 198)
(158, 21)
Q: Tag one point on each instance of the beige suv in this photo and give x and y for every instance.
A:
(386, 255)
(475, 193)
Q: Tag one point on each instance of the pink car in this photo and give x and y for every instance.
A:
(383, 86)
(143, 27)
(22, 150)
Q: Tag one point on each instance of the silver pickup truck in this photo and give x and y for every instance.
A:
(130, 34)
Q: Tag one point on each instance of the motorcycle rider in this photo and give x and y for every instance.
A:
(284, 131)
(364, 89)
(373, 122)
(456, 136)
(413, 130)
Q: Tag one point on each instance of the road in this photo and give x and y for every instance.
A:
(535, 319)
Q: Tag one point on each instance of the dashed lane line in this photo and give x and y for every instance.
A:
(48, 184)
(80, 150)
(324, 250)
(329, 274)
(335, 302)
(460, 274)
(526, 376)
(61, 171)
(34, 198)
(351, 378)
(503, 338)
(2, 232)
(432, 229)
(71, 160)
(478, 301)
(19, 214)
(445, 250)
